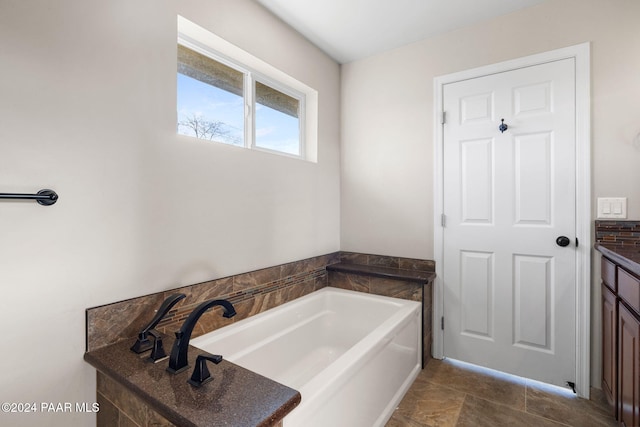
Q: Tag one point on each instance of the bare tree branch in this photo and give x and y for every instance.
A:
(208, 129)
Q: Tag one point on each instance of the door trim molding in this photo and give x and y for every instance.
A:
(581, 54)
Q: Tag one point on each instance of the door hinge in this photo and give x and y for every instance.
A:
(444, 117)
(442, 323)
(443, 220)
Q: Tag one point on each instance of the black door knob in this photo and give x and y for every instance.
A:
(563, 241)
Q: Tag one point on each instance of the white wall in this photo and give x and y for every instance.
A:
(87, 108)
(387, 120)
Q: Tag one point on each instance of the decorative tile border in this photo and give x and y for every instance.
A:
(618, 233)
(310, 280)
(250, 293)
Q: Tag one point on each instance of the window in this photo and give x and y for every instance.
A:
(210, 99)
(277, 121)
(225, 100)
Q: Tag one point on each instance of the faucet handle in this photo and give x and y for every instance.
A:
(157, 353)
(143, 344)
(201, 373)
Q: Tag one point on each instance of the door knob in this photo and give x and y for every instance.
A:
(563, 241)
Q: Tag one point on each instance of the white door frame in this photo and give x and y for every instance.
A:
(581, 54)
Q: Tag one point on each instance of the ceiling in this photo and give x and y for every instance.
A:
(349, 30)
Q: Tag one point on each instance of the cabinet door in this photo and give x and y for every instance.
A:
(628, 368)
(629, 289)
(608, 272)
(609, 353)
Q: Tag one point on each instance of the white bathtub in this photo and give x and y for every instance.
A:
(352, 356)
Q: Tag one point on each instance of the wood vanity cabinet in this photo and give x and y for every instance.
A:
(628, 381)
(609, 341)
(621, 342)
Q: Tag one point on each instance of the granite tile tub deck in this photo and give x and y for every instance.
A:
(392, 273)
(236, 397)
(133, 391)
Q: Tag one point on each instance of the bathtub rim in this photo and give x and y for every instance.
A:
(362, 350)
(241, 324)
(225, 331)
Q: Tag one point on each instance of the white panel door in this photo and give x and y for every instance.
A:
(509, 288)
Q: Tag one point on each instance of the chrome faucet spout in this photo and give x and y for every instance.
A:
(178, 361)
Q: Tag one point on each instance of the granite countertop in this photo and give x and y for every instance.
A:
(626, 256)
(384, 272)
(236, 396)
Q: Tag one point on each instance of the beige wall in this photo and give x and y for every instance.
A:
(87, 107)
(387, 114)
(387, 119)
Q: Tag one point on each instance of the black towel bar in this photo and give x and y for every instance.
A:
(43, 197)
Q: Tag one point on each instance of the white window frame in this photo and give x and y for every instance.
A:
(255, 70)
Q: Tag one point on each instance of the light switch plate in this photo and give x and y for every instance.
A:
(612, 207)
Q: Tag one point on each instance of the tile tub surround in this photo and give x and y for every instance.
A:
(250, 293)
(120, 407)
(405, 278)
(136, 392)
(112, 329)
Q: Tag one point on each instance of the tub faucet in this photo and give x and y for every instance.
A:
(143, 344)
(178, 361)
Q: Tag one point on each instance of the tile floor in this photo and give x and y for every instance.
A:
(450, 393)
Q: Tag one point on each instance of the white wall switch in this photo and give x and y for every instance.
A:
(612, 207)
